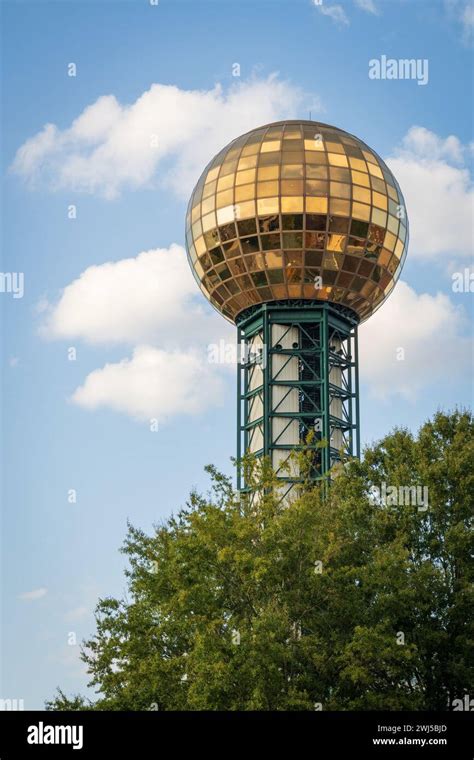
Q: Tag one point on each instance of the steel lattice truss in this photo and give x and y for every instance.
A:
(298, 373)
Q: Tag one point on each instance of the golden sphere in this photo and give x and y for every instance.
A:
(296, 210)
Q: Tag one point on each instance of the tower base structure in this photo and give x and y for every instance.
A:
(297, 374)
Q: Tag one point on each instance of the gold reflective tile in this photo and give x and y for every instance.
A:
(289, 202)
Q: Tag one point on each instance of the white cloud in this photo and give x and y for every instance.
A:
(368, 6)
(467, 20)
(415, 323)
(79, 602)
(334, 12)
(463, 12)
(78, 613)
(160, 384)
(29, 596)
(425, 144)
(152, 298)
(438, 192)
(110, 146)
(154, 384)
(152, 303)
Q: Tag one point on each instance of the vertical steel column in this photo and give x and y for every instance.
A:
(266, 358)
(350, 341)
(357, 421)
(326, 432)
(239, 406)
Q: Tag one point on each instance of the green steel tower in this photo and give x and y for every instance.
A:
(297, 232)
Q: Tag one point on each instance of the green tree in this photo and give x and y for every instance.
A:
(337, 602)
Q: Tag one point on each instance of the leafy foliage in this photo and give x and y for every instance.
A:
(335, 602)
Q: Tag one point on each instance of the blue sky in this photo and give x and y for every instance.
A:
(64, 428)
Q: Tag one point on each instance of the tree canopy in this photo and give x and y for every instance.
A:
(344, 599)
